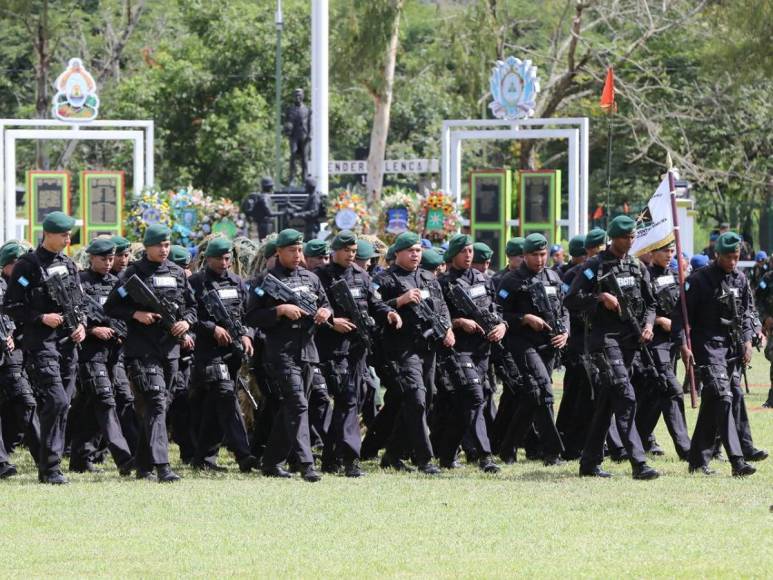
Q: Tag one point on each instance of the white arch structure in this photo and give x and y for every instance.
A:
(574, 129)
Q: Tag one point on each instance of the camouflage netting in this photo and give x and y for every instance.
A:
(244, 254)
(378, 245)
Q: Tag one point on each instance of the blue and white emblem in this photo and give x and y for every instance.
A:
(514, 88)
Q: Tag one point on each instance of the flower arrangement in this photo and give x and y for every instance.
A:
(399, 212)
(151, 207)
(348, 211)
(190, 214)
(438, 216)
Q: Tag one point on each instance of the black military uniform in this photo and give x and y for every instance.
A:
(124, 398)
(289, 356)
(93, 408)
(217, 367)
(614, 345)
(152, 353)
(577, 402)
(344, 358)
(661, 391)
(16, 397)
(50, 355)
(467, 364)
(718, 358)
(411, 353)
(525, 292)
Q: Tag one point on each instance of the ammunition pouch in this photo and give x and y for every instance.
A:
(715, 381)
(94, 379)
(147, 379)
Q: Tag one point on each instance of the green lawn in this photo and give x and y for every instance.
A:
(529, 520)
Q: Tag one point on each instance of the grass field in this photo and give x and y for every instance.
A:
(529, 521)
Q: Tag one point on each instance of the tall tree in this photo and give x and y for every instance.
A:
(367, 53)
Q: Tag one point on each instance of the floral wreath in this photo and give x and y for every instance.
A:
(438, 216)
(354, 205)
(395, 200)
(151, 207)
(188, 212)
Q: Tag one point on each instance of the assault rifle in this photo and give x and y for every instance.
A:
(222, 317)
(69, 302)
(281, 292)
(145, 297)
(94, 311)
(539, 297)
(628, 315)
(735, 330)
(432, 326)
(341, 294)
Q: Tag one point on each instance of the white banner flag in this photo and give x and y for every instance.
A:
(660, 231)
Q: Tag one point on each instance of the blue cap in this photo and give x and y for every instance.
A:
(426, 244)
(555, 248)
(761, 255)
(672, 264)
(698, 261)
(713, 236)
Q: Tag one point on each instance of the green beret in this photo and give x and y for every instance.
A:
(289, 237)
(728, 243)
(430, 259)
(455, 245)
(577, 246)
(179, 255)
(514, 247)
(10, 252)
(101, 247)
(595, 238)
(269, 249)
(344, 239)
(390, 253)
(365, 250)
(405, 241)
(621, 226)
(534, 242)
(58, 222)
(156, 234)
(218, 246)
(121, 244)
(481, 252)
(315, 249)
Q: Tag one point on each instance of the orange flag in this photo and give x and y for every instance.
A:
(608, 94)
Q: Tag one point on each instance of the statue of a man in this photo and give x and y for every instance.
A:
(257, 208)
(297, 127)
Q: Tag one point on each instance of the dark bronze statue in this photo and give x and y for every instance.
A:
(297, 127)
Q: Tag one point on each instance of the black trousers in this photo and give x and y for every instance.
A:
(345, 377)
(320, 409)
(466, 412)
(534, 403)
(220, 415)
(410, 432)
(93, 412)
(53, 375)
(577, 403)
(715, 414)
(151, 379)
(663, 398)
(19, 410)
(184, 410)
(124, 402)
(615, 396)
(290, 429)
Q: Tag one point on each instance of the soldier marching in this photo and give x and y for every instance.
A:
(112, 358)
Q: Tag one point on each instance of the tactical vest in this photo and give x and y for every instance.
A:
(666, 290)
(629, 276)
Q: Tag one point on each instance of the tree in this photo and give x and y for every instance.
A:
(369, 42)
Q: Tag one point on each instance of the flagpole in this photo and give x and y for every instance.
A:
(680, 269)
(609, 166)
